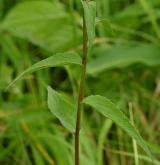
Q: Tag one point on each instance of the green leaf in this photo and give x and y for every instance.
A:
(90, 15)
(42, 23)
(108, 109)
(62, 109)
(59, 59)
(121, 56)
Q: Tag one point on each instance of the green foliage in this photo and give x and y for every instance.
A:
(122, 56)
(90, 15)
(123, 66)
(108, 109)
(62, 109)
(147, 7)
(59, 59)
(41, 22)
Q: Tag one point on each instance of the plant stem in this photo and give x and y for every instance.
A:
(81, 92)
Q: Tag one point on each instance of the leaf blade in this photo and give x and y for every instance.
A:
(59, 59)
(108, 109)
(62, 109)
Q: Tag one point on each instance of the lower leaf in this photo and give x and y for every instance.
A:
(108, 109)
(62, 109)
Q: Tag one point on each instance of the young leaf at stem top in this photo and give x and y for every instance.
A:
(90, 15)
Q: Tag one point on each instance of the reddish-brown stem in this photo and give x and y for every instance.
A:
(81, 92)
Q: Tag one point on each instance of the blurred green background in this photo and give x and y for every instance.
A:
(123, 66)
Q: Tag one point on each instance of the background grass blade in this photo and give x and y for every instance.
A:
(121, 56)
(151, 14)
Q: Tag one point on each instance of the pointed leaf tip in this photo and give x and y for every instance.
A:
(110, 110)
(57, 60)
